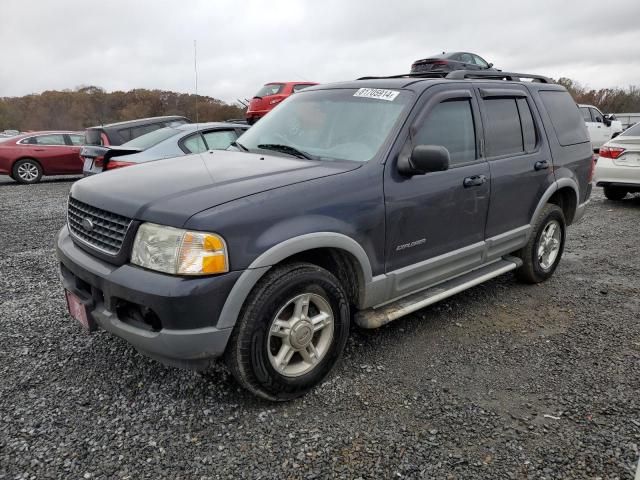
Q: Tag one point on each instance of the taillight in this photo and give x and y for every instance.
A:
(98, 161)
(611, 152)
(112, 164)
(594, 159)
(439, 62)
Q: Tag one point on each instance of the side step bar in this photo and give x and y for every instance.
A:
(376, 317)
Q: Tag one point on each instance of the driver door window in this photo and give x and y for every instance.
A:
(597, 116)
(450, 124)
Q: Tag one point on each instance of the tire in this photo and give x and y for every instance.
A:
(538, 261)
(268, 326)
(615, 193)
(26, 171)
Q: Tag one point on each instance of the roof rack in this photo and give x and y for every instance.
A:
(462, 74)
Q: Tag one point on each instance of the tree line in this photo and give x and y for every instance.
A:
(90, 106)
(608, 100)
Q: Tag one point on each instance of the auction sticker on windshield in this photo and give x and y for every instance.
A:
(377, 93)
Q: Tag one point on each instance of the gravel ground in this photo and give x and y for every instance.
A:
(502, 381)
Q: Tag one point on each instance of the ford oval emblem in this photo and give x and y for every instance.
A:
(87, 224)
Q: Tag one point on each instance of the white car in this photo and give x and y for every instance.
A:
(618, 166)
(602, 128)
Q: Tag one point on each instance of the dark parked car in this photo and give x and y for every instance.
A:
(271, 95)
(163, 143)
(376, 197)
(26, 158)
(121, 132)
(447, 62)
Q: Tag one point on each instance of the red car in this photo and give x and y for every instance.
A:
(26, 158)
(269, 96)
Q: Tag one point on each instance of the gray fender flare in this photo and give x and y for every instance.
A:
(249, 278)
(553, 188)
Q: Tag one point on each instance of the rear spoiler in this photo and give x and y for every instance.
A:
(107, 152)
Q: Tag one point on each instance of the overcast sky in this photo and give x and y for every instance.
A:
(124, 44)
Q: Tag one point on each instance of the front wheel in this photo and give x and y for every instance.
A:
(291, 332)
(541, 256)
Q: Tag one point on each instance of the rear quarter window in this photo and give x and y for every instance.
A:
(566, 119)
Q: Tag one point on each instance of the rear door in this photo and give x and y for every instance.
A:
(435, 222)
(519, 159)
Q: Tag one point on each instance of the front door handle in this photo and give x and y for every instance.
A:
(475, 181)
(541, 165)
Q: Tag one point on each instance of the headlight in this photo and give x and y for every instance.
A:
(179, 252)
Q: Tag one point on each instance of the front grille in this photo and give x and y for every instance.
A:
(109, 229)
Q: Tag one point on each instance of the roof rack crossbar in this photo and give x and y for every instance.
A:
(462, 74)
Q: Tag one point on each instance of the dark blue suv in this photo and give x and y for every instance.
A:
(363, 201)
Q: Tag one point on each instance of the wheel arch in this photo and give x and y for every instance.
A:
(564, 193)
(338, 253)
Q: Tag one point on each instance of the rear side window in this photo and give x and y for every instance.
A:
(567, 121)
(270, 89)
(53, 139)
(220, 139)
(504, 131)
(92, 137)
(193, 144)
(450, 124)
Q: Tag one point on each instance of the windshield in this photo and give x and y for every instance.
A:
(346, 124)
(269, 89)
(633, 131)
(151, 139)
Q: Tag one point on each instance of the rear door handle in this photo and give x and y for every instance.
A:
(38, 149)
(541, 165)
(475, 181)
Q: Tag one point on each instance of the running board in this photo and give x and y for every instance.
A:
(376, 317)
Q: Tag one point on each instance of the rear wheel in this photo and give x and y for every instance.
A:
(26, 170)
(291, 332)
(615, 193)
(541, 256)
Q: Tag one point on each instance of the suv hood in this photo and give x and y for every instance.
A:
(170, 191)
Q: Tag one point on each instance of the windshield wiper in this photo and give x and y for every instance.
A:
(240, 146)
(288, 149)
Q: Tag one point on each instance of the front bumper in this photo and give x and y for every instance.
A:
(172, 319)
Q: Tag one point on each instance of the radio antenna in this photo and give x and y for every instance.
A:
(195, 69)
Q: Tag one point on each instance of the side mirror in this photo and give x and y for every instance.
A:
(607, 121)
(490, 65)
(424, 159)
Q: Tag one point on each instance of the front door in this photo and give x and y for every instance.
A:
(435, 222)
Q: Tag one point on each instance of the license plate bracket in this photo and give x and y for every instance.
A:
(79, 311)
